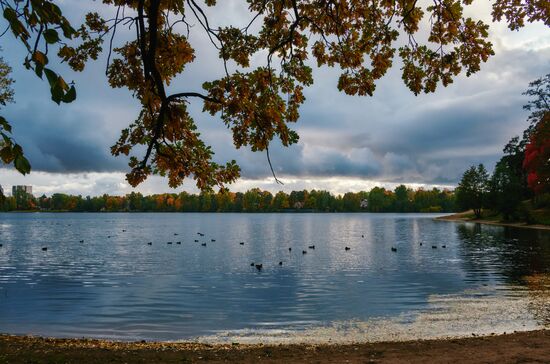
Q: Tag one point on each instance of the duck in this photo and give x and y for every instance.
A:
(201, 234)
(347, 248)
(304, 252)
(259, 266)
(280, 263)
(45, 248)
(203, 244)
(196, 241)
(81, 241)
(175, 234)
(241, 243)
(150, 243)
(170, 243)
(420, 244)
(363, 236)
(123, 230)
(1, 245)
(212, 240)
(434, 246)
(178, 242)
(252, 264)
(311, 247)
(443, 246)
(393, 249)
(289, 249)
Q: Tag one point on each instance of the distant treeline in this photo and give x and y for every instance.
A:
(401, 199)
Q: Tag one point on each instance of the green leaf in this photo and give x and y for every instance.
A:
(68, 31)
(51, 36)
(16, 26)
(10, 14)
(22, 164)
(27, 63)
(5, 125)
(38, 70)
(6, 138)
(70, 96)
(52, 76)
(57, 94)
(17, 149)
(56, 10)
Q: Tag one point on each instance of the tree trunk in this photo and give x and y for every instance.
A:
(477, 212)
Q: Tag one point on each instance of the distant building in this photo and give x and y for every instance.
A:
(1, 191)
(19, 190)
(364, 203)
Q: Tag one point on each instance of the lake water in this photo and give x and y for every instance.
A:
(115, 285)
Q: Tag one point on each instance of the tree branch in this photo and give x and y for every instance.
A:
(192, 94)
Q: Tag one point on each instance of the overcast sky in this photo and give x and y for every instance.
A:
(346, 143)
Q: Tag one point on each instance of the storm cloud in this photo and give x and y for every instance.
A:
(66, 140)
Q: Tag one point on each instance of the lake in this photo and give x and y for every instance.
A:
(445, 278)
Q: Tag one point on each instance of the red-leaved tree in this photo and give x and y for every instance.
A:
(537, 157)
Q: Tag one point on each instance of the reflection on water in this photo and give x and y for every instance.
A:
(508, 252)
(113, 284)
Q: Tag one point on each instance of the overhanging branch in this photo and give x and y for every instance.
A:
(192, 94)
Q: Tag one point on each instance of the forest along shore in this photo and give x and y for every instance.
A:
(466, 217)
(530, 346)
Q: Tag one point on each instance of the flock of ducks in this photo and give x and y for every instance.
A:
(394, 249)
(257, 266)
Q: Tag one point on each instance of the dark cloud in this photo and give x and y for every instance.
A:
(64, 139)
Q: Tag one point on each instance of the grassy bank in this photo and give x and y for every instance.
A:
(531, 346)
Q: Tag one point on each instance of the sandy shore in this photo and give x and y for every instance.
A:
(465, 217)
(531, 347)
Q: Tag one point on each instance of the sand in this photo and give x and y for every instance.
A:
(521, 347)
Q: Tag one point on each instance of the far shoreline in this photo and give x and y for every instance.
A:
(464, 217)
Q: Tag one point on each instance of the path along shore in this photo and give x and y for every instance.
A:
(466, 217)
(520, 347)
